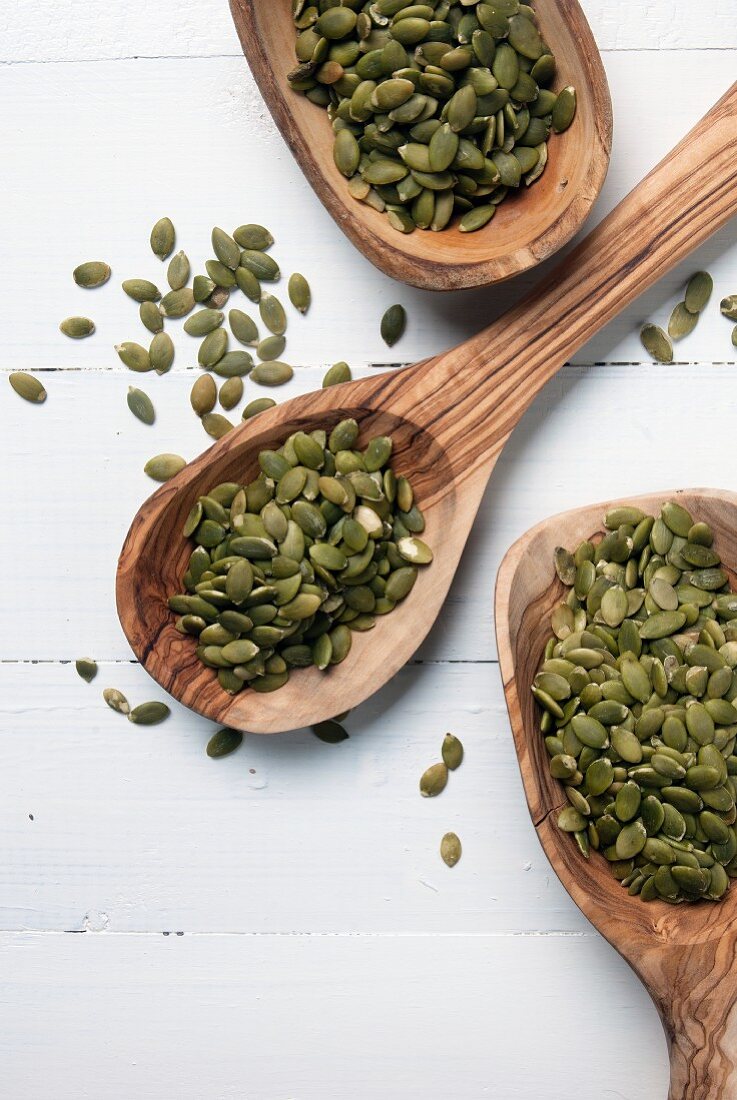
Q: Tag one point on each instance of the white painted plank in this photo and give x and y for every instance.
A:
(136, 829)
(193, 28)
(306, 1018)
(101, 151)
(593, 433)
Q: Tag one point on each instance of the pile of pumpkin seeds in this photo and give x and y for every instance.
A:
(638, 692)
(286, 567)
(438, 108)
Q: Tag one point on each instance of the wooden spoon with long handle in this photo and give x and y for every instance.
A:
(449, 417)
(686, 957)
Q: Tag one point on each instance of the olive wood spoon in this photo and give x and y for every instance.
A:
(449, 418)
(687, 956)
(525, 230)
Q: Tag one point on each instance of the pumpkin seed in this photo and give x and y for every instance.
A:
(77, 327)
(223, 742)
(271, 348)
(116, 700)
(216, 425)
(331, 732)
(682, 322)
(450, 849)
(177, 273)
(86, 668)
(204, 321)
(92, 274)
(151, 317)
(728, 306)
(300, 294)
(203, 395)
(27, 386)
(133, 356)
(178, 303)
(272, 314)
(163, 467)
(253, 236)
(564, 110)
(656, 343)
(434, 780)
(149, 714)
(452, 752)
(141, 290)
(271, 374)
(161, 352)
(243, 328)
(231, 393)
(260, 404)
(393, 324)
(338, 373)
(140, 405)
(163, 238)
(698, 291)
(225, 248)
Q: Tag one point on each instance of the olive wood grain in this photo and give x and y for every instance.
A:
(685, 955)
(526, 229)
(449, 417)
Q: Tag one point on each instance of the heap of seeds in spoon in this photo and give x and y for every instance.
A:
(438, 108)
(638, 690)
(286, 567)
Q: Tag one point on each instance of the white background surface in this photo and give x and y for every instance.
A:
(278, 925)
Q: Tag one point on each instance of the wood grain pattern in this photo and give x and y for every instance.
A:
(449, 417)
(685, 956)
(525, 230)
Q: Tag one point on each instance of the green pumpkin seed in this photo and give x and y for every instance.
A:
(434, 781)
(27, 386)
(243, 328)
(140, 405)
(216, 425)
(203, 395)
(133, 356)
(151, 317)
(77, 328)
(178, 303)
(698, 291)
(149, 714)
(164, 466)
(163, 238)
(260, 404)
(204, 321)
(92, 274)
(393, 324)
(272, 314)
(231, 393)
(452, 752)
(225, 248)
(116, 700)
(161, 352)
(336, 375)
(271, 348)
(223, 742)
(656, 343)
(271, 374)
(564, 110)
(450, 849)
(86, 668)
(682, 322)
(330, 732)
(177, 273)
(728, 307)
(253, 236)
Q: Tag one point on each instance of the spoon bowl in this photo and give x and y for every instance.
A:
(450, 418)
(684, 955)
(526, 229)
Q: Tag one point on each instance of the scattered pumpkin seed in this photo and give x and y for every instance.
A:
(260, 404)
(92, 274)
(331, 732)
(77, 327)
(223, 743)
(393, 324)
(203, 322)
(27, 386)
(272, 314)
(178, 303)
(271, 348)
(141, 290)
(203, 395)
(163, 238)
(656, 343)
(271, 374)
(140, 405)
(682, 322)
(86, 668)
(452, 751)
(300, 294)
(216, 425)
(698, 291)
(338, 373)
(231, 393)
(151, 318)
(161, 352)
(243, 328)
(450, 849)
(149, 714)
(254, 237)
(225, 248)
(633, 686)
(116, 700)
(178, 271)
(728, 307)
(434, 780)
(133, 356)
(164, 466)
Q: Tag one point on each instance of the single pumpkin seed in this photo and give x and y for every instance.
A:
(92, 274)
(452, 751)
(141, 290)
(178, 303)
(77, 327)
(140, 405)
(434, 780)
(224, 742)
(216, 425)
(133, 356)
(253, 236)
(164, 466)
(272, 314)
(86, 668)
(27, 386)
(243, 328)
(656, 343)
(203, 395)
(163, 237)
(161, 352)
(698, 291)
(116, 700)
(271, 374)
(393, 324)
(450, 849)
(151, 317)
(149, 714)
(231, 393)
(271, 348)
(177, 273)
(300, 294)
(260, 404)
(682, 322)
(331, 732)
(337, 374)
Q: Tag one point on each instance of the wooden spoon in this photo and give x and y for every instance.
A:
(524, 231)
(684, 956)
(449, 417)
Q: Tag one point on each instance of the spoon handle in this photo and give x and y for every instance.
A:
(494, 377)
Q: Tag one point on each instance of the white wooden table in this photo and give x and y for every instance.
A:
(278, 925)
